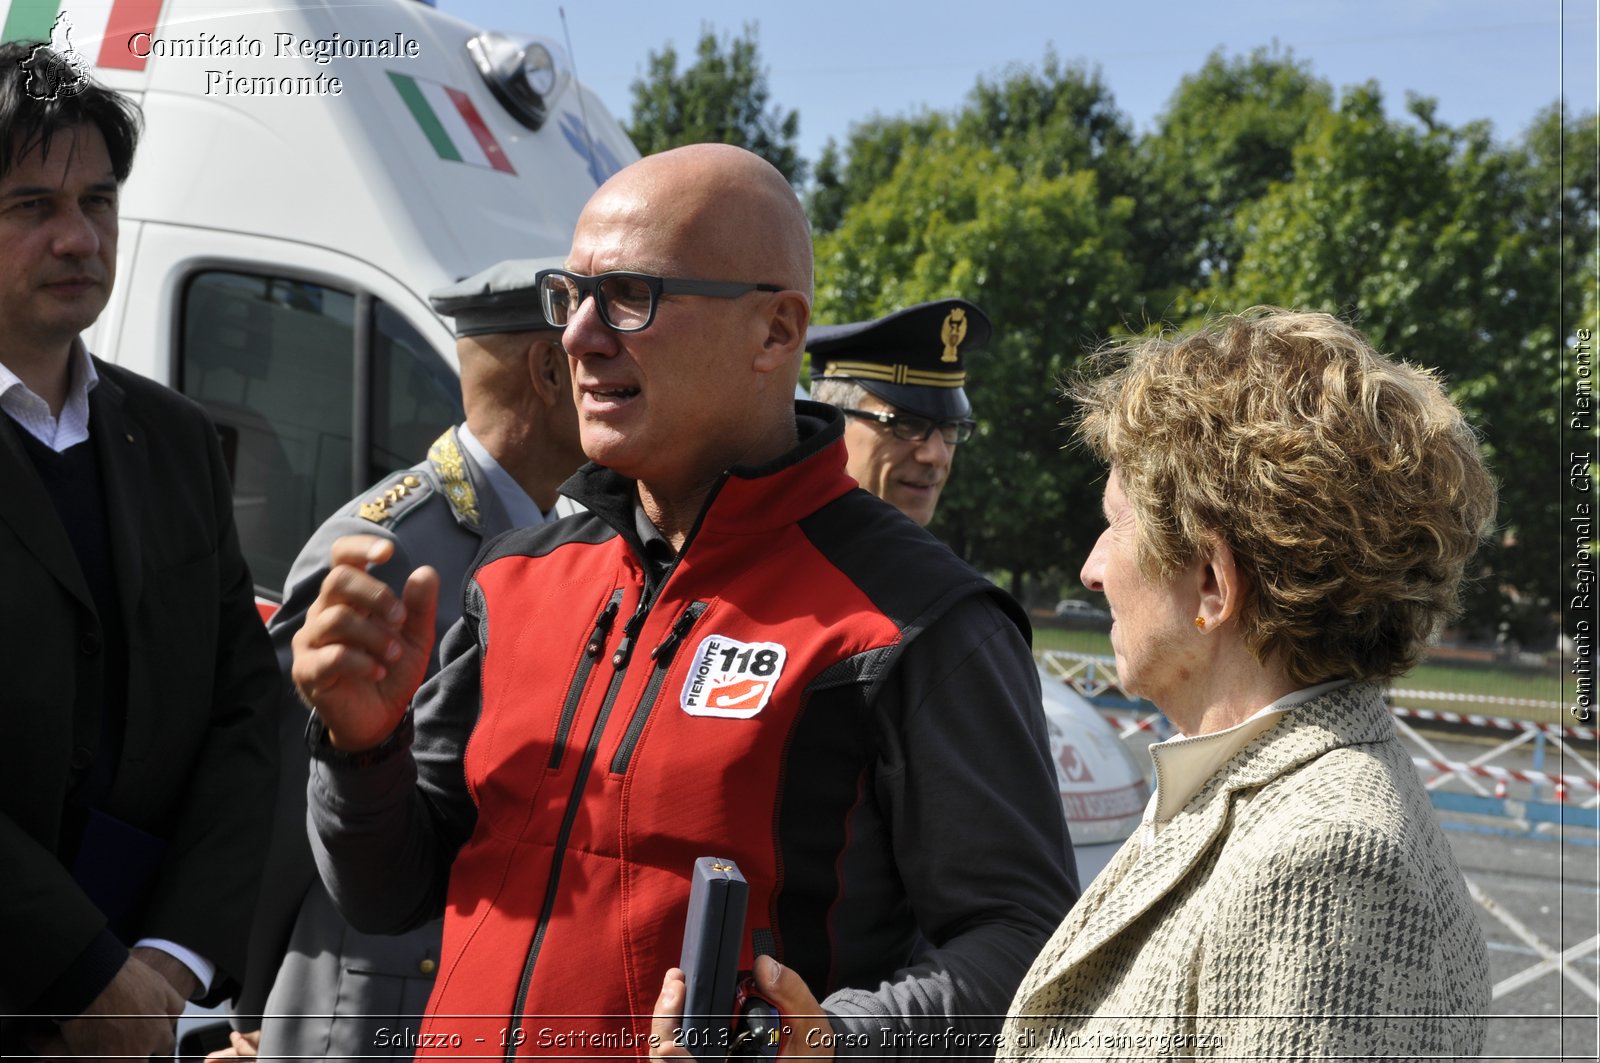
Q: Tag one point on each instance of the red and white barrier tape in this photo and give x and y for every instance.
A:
(1499, 722)
(1451, 767)
(1147, 723)
(1481, 699)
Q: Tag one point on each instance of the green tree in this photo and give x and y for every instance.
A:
(1258, 185)
(1016, 201)
(1447, 250)
(1043, 121)
(847, 176)
(1053, 120)
(1228, 135)
(721, 97)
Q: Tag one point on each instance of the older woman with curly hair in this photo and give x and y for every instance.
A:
(1289, 515)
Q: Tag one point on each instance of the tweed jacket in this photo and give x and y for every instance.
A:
(1303, 904)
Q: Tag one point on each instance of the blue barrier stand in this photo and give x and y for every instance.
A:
(1530, 812)
(1538, 765)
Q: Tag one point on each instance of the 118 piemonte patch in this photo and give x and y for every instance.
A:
(732, 679)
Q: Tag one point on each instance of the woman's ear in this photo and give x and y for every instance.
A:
(1222, 585)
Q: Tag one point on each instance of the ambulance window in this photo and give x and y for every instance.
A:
(415, 396)
(274, 361)
(271, 360)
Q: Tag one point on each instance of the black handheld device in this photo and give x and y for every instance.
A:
(723, 1019)
(712, 931)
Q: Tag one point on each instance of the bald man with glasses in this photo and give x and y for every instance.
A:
(900, 382)
(733, 653)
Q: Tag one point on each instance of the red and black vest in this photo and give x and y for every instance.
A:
(631, 723)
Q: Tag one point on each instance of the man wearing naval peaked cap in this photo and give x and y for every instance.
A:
(900, 381)
(497, 471)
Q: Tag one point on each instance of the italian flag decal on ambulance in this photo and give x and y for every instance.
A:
(102, 31)
(451, 123)
(732, 679)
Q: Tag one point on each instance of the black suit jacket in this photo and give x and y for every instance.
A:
(198, 762)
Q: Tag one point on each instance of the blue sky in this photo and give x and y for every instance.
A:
(839, 62)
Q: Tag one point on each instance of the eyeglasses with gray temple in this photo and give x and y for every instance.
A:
(626, 300)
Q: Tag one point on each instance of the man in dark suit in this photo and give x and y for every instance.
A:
(139, 682)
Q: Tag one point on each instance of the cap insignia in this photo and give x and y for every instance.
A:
(952, 332)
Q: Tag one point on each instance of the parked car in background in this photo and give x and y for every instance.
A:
(1103, 788)
(1078, 613)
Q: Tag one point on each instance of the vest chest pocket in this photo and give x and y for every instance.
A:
(661, 663)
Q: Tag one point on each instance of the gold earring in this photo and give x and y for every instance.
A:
(1200, 622)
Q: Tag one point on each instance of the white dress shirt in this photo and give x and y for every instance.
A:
(33, 414)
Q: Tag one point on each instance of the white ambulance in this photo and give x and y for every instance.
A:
(310, 170)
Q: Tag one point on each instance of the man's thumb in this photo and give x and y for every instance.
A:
(421, 597)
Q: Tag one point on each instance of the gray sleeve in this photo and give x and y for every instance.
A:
(385, 833)
(978, 833)
(310, 568)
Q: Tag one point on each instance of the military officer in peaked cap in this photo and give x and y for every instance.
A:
(900, 381)
(499, 470)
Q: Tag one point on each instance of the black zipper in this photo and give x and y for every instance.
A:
(597, 642)
(619, 661)
(630, 631)
(662, 656)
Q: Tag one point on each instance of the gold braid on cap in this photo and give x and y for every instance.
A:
(895, 374)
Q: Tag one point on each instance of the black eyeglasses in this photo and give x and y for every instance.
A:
(914, 429)
(627, 301)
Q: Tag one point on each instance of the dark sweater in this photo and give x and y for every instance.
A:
(101, 852)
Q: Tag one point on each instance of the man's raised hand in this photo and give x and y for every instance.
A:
(362, 652)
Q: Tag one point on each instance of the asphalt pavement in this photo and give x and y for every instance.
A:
(1538, 900)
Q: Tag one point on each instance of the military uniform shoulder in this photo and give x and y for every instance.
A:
(443, 476)
(449, 465)
(392, 499)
